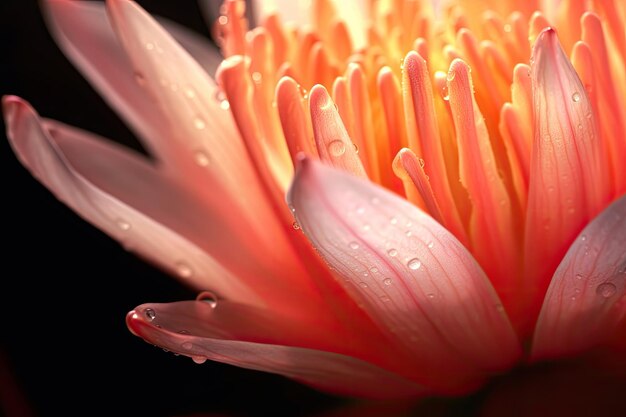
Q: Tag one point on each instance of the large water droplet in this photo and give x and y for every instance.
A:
(414, 264)
(576, 97)
(606, 290)
(207, 297)
(184, 270)
(198, 359)
(150, 314)
(337, 148)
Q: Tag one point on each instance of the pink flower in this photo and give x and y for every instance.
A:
(395, 280)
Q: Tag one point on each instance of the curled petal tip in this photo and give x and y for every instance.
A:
(132, 319)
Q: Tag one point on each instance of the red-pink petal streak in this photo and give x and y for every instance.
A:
(569, 181)
(586, 299)
(253, 339)
(410, 275)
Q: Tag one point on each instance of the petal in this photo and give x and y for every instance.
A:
(413, 278)
(195, 236)
(586, 299)
(120, 193)
(84, 33)
(569, 180)
(250, 338)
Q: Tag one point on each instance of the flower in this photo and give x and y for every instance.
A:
(395, 280)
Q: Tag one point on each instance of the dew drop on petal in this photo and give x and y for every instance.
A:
(139, 77)
(295, 225)
(414, 264)
(363, 285)
(202, 159)
(123, 224)
(387, 281)
(199, 123)
(198, 359)
(356, 147)
(183, 332)
(150, 314)
(430, 244)
(430, 295)
(186, 345)
(606, 290)
(183, 270)
(576, 97)
(336, 148)
(354, 245)
(392, 252)
(393, 220)
(207, 297)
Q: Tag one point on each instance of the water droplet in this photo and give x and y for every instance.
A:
(507, 28)
(366, 227)
(430, 244)
(450, 76)
(190, 92)
(184, 270)
(385, 298)
(445, 94)
(408, 233)
(257, 77)
(356, 147)
(576, 97)
(421, 162)
(199, 123)
(336, 148)
(149, 46)
(198, 359)
(579, 277)
(141, 80)
(431, 295)
(606, 290)
(202, 159)
(150, 314)
(392, 252)
(123, 224)
(414, 264)
(393, 220)
(360, 210)
(295, 225)
(207, 297)
(374, 269)
(187, 345)
(387, 281)
(183, 332)
(354, 245)
(362, 285)
(220, 97)
(583, 238)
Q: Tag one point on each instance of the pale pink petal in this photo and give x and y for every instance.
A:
(123, 195)
(84, 33)
(569, 180)
(181, 230)
(203, 51)
(250, 338)
(587, 295)
(413, 278)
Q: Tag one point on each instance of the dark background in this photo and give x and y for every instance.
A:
(58, 271)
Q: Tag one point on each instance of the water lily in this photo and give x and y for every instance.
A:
(454, 183)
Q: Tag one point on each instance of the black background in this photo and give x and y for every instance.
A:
(58, 272)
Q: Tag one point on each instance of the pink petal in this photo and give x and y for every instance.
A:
(250, 338)
(409, 274)
(122, 194)
(569, 182)
(586, 299)
(196, 236)
(83, 31)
